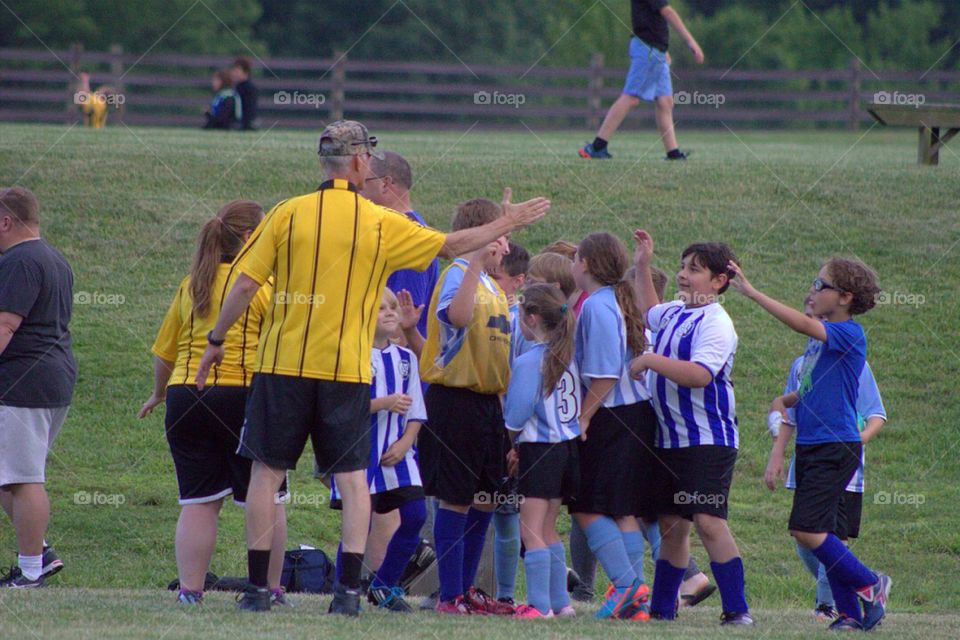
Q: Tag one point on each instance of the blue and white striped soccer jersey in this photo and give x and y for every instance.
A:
(602, 351)
(539, 417)
(869, 405)
(690, 417)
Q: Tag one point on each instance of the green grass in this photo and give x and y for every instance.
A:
(124, 206)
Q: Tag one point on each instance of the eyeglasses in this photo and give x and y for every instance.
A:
(369, 178)
(819, 284)
(370, 142)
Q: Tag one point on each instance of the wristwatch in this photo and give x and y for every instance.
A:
(216, 343)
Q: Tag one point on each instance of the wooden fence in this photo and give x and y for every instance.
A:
(174, 89)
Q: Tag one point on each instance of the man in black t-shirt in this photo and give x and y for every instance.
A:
(37, 375)
(648, 77)
(243, 85)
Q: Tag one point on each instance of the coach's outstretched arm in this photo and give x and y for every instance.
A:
(515, 216)
(236, 302)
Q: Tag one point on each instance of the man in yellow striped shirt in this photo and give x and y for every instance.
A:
(331, 252)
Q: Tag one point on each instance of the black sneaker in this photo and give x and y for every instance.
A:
(423, 558)
(346, 602)
(681, 155)
(51, 562)
(14, 579)
(742, 619)
(254, 599)
(389, 598)
(845, 623)
(429, 603)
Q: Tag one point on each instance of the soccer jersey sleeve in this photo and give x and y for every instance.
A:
(869, 402)
(258, 257)
(418, 410)
(844, 337)
(448, 289)
(714, 344)
(523, 392)
(602, 349)
(655, 316)
(409, 245)
(792, 384)
(165, 346)
(261, 301)
(19, 286)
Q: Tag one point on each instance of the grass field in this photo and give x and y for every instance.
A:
(124, 206)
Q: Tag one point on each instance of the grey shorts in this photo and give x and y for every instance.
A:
(26, 435)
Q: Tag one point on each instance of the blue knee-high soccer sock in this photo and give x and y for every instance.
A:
(730, 582)
(651, 531)
(666, 588)
(339, 560)
(819, 572)
(506, 552)
(536, 564)
(474, 535)
(448, 536)
(633, 544)
(402, 545)
(606, 542)
(841, 562)
(844, 597)
(559, 598)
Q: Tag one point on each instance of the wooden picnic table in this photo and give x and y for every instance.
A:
(929, 119)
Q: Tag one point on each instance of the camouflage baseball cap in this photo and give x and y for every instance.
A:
(341, 138)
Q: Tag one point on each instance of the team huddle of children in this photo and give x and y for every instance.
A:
(564, 380)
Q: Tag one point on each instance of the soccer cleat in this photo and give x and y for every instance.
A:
(741, 619)
(683, 155)
(185, 596)
(875, 601)
(573, 580)
(824, 613)
(590, 153)
(567, 612)
(423, 558)
(635, 596)
(254, 599)
(480, 602)
(278, 598)
(641, 612)
(455, 607)
(51, 562)
(346, 602)
(14, 579)
(389, 598)
(528, 612)
(430, 602)
(610, 602)
(845, 623)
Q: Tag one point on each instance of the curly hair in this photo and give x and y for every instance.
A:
(856, 278)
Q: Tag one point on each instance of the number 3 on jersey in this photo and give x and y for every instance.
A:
(568, 401)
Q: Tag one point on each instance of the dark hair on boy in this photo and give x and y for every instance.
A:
(607, 262)
(713, 256)
(564, 248)
(515, 262)
(242, 63)
(20, 204)
(226, 80)
(857, 279)
(475, 213)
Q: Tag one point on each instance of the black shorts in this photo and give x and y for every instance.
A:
(463, 446)
(614, 461)
(387, 501)
(822, 473)
(284, 411)
(549, 470)
(692, 480)
(848, 515)
(203, 431)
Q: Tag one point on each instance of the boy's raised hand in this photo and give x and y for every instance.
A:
(739, 281)
(524, 213)
(409, 312)
(643, 251)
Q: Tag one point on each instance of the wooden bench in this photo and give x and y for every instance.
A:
(929, 119)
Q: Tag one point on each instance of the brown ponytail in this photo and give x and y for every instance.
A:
(548, 303)
(220, 239)
(607, 262)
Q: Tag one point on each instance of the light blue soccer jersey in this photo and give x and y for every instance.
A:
(602, 351)
(869, 405)
(538, 416)
(691, 417)
(518, 344)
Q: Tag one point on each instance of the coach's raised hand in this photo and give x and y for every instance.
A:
(523, 214)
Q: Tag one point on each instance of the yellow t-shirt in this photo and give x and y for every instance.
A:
(475, 357)
(94, 108)
(331, 251)
(183, 336)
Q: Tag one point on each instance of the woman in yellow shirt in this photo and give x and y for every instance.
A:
(203, 427)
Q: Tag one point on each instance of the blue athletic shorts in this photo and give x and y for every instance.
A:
(649, 73)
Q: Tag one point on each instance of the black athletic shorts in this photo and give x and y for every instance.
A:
(692, 480)
(615, 462)
(848, 515)
(463, 446)
(387, 501)
(284, 411)
(549, 470)
(822, 473)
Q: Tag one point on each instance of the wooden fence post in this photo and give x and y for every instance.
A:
(76, 53)
(116, 78)
(594, 87)
(337, 97)
(853, 112)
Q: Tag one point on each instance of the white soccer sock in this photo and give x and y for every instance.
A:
(31, 566)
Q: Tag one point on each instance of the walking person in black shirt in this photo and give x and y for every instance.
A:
(247, 91)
